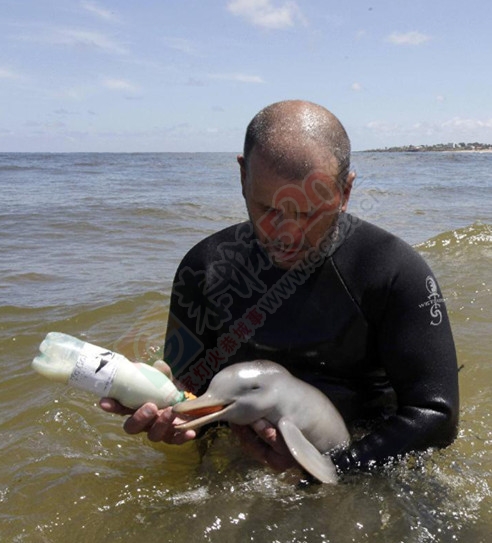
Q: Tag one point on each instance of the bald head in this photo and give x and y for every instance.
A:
(288, 134)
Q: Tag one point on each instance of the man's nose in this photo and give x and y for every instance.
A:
(289, 230)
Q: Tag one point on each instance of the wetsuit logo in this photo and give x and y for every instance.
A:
(434, 301)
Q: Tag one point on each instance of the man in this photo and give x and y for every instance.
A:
(342, 304)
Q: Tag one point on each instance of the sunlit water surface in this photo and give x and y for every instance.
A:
(89, 246)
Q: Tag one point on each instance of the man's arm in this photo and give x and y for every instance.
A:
(416, 348)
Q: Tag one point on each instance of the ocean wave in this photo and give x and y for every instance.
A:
(15, 168)
(30, 277)
(476, 235)
(107, 321)
(461, 259)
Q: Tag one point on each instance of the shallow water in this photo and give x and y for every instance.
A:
(89, 246)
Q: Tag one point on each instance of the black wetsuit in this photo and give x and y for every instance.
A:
(366, 324)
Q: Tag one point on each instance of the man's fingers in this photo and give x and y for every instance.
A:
(182, 437)
(159, 424)
(112, 406)
(163, 367)
(162, 428)
(142, 419)
(270, 435)
(263, 443)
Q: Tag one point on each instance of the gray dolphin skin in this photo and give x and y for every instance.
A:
(245, 392)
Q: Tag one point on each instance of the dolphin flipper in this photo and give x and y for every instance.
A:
(306, 454)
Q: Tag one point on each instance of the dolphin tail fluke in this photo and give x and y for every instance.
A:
(306, 454)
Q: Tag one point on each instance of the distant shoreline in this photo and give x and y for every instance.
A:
(440, 148)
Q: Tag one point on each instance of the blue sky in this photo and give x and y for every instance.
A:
(171, 75)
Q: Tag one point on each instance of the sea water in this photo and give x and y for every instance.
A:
(89, 244)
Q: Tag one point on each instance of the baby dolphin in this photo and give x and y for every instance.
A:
(245, 392)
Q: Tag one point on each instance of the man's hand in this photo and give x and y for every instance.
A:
(159, 424)
(264, 443)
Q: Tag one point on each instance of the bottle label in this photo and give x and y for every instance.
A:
(95, 370)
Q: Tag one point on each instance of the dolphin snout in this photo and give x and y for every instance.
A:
(202, 411)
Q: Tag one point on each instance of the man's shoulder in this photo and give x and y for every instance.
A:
(209, 248)
(374, 263)
(373, 249)
(368, 238)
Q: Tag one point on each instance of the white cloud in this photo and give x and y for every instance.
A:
(417, 133)
(73, 37)
(335, 20)
(360, 35)
(5, 73)
(181, 44)
(408, 38)
(119, 85)
(382, 127)
(99, 11)
(440, 98)
(467, 124)
(263, 13)
(241, 78)
(356, 87)
(87, 38)
(63, 112)
(78, 93)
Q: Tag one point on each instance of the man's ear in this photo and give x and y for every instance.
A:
(242, 168)
(347, 190)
